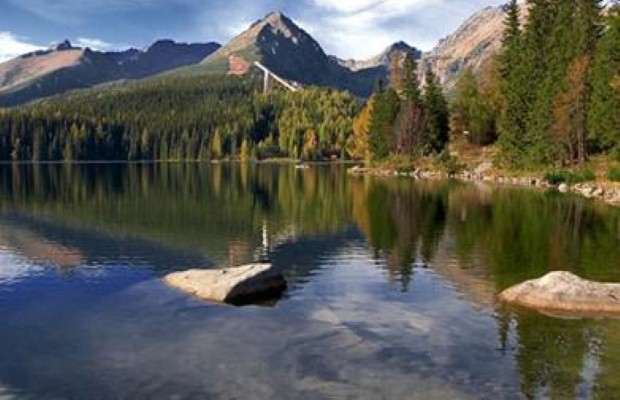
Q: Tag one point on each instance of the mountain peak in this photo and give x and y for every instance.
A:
(275, 16)
(62, 46)
(383, 59)
(273, 36)
(401, 47)
(278, 22)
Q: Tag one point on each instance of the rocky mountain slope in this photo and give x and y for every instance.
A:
(64, 67)
(383, 59)
(471, 45)
(278, 43)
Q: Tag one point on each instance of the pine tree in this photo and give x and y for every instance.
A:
(604, 105)
(513, 88)
(588, 26)
(532, 71)
(437, 130)
(411, 119)
(411, 83)
(381, 135)
(554, 58)
(473, 116)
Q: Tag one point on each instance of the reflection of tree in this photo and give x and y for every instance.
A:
(551, 355)
(190, 205)
(518, 235)
(567, 359)
(404, 222)
(522, 236)
(506, 237)
(606, 383)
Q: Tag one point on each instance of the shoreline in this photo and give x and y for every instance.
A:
(606, 192)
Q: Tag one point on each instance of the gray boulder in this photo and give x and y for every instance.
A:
(239, 285)
(563, 188)
(565, 293)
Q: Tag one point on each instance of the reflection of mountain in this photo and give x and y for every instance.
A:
(184, 206)
(37, 248)
(47, 241)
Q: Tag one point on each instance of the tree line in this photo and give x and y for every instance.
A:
(403, 118)
(552, 95)
(179, 118)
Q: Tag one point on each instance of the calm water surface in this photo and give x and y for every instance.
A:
(392, 286)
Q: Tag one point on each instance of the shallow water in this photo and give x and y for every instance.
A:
(392, 286)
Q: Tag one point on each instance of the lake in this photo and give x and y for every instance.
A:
(392, 286)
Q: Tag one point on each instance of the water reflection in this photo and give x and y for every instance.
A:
(393, 286)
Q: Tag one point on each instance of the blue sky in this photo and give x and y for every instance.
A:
(346, 28)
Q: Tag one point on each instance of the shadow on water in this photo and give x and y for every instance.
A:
(372, 265)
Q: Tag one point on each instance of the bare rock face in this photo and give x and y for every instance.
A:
(565, 293)
(472, 45)
(239, 285)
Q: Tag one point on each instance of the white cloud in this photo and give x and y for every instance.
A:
(12, 46)
(94, 44)
(363, 28)
(379, 9)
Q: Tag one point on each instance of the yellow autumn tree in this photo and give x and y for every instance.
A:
(357, 145)
(245, 150)
(310, 145)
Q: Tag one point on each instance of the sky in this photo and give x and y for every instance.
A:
(346, 28)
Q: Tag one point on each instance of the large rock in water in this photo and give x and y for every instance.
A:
(239, 285)
(565, 293)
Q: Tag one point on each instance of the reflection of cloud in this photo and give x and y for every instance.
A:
(12, 268)
(12, 46)
(5, 394)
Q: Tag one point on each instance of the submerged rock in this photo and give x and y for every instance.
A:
(565, 293)
(239, 285)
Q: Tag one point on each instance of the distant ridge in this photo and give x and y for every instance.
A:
(65, 67)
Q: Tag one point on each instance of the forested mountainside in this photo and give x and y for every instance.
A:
(179, 118)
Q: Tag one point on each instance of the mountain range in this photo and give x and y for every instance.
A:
(275, 41)
(65, 67)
